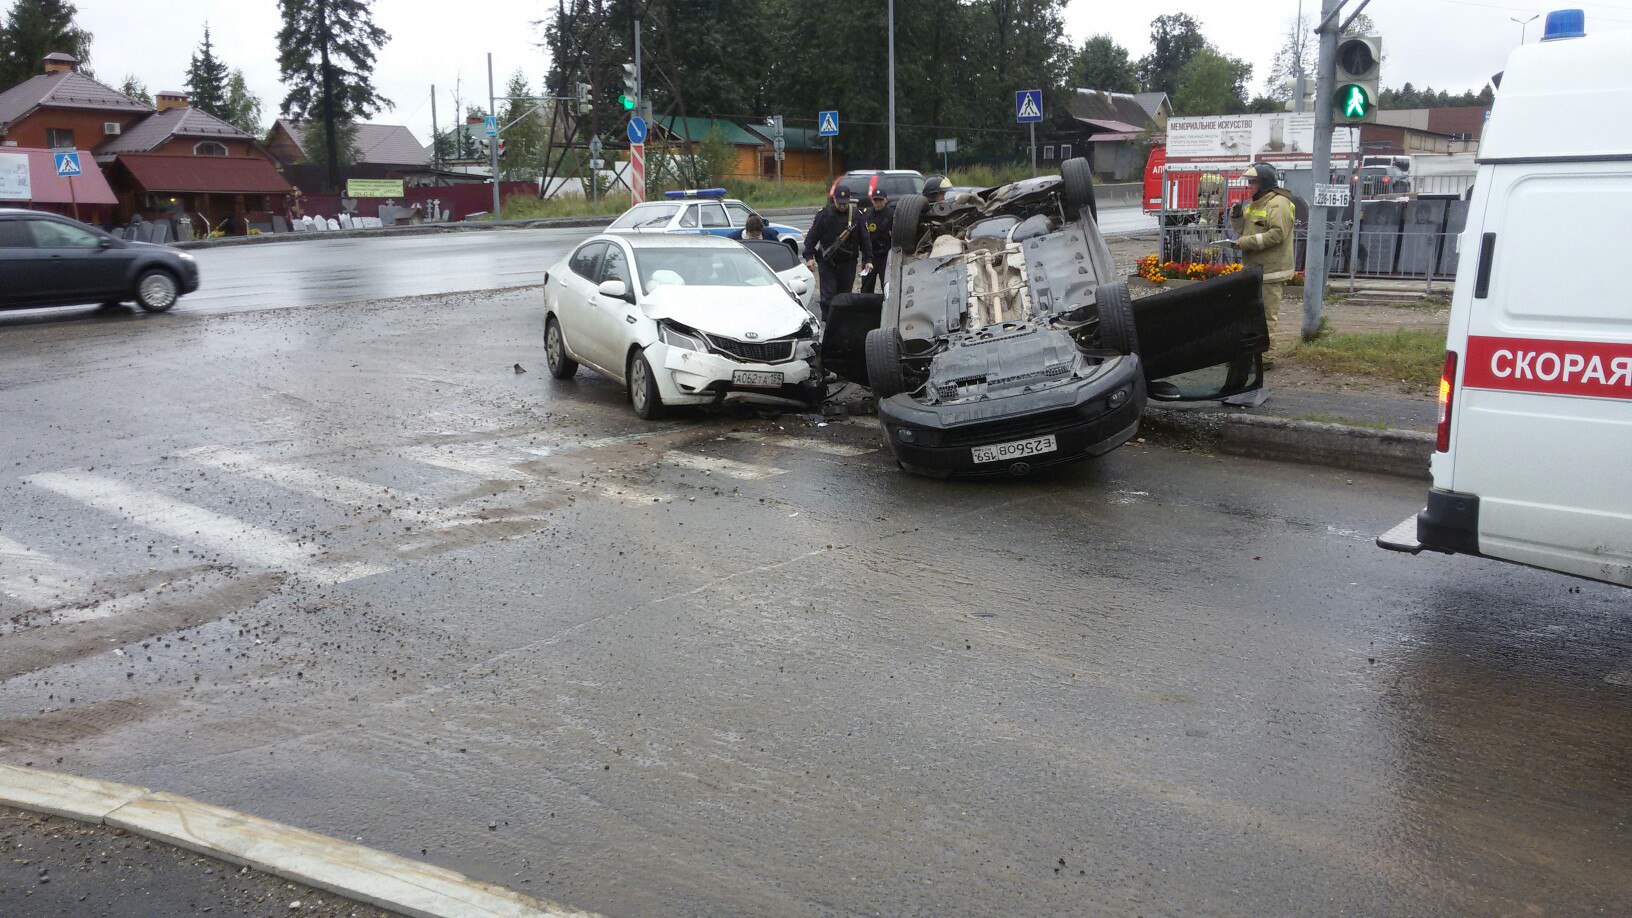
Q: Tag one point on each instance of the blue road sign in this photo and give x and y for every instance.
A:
(637, 129)
(1028, 105)
(492, 126)
(827, 124)
(68, 164)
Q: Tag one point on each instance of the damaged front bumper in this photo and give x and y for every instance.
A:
(1087, 417)
(700, 378)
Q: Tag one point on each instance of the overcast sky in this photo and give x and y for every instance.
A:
(1448, 44)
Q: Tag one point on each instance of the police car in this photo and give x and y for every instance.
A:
(701, 211)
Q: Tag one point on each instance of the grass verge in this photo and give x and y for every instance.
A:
(1412, 357)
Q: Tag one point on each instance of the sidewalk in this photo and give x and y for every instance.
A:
(63, 867)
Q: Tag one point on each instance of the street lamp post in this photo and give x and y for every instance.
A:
(1524, 25)
(891, 14)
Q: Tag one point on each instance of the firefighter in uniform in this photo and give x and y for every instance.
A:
(880, 222)
(1265, 225)
(935, 188)
(837, 240)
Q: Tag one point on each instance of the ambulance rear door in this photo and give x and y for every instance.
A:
(1542, 418)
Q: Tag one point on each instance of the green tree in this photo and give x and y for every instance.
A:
(33, 29)
(244, 110)
(326, 53)
(207, 80)
(1297, 54)
(525, 135)
(136, 89)
(314, 139)
(1103, 64)
(1174, 39)
(1212, 84)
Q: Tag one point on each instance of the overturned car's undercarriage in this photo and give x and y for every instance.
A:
(1004, 341)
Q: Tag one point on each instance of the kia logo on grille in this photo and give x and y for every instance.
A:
(752, 336)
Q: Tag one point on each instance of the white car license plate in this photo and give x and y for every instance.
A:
(1019, 449)
(759, 379)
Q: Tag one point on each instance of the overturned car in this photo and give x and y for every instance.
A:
(1004, 341)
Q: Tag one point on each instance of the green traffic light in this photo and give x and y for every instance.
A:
(627, 102)
(1353, 102)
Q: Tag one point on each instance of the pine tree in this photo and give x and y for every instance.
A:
(207, 80)
(326, 52)
(136, 89)
(33, 29)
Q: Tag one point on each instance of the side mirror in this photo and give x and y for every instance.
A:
(106, 242)
(616, 289)
(799, 286)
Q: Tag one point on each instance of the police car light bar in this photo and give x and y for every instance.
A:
(695, 193)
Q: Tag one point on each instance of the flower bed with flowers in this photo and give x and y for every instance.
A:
(1160, 272)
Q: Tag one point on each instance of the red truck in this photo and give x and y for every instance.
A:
(1189, 192)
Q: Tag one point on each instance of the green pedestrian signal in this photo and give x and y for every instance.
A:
(1353, 102)
(628, 102)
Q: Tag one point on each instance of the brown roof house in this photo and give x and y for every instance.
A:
(1107, 128)
(165, 162)
(383, 151)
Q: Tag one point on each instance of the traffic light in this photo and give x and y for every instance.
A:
(501, 148)
(585, 106)
(486, 146)
(1359, 70)
(775, 124)
(630, 90)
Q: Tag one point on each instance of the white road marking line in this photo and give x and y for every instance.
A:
(627, 493)
(728, 467)
(808, 444)
(568, 447)
(250, 544)
(479, 461)
(34, 578)
(123, 605)
(338, 489)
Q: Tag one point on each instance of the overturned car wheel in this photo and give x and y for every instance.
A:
(909, 211)
(1078, 188)
(884, 362)
(1116, 330)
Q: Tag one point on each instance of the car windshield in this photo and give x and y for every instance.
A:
(897, 185)
(776, 256)
(702, 267)
(645, 215)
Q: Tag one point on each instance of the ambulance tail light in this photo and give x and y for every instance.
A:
(1447, 393)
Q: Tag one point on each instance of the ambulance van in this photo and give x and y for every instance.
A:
(1533, 462)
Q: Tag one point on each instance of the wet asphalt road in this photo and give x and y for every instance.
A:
(344, 568)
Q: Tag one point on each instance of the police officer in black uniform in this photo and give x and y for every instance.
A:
(880, 224)
(837, 240)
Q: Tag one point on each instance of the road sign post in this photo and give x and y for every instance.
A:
(945, 147)
(637, 159)
(827, 125)
(67, 167)
(1028, 110)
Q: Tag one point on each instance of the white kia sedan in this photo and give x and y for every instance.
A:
(681, 320)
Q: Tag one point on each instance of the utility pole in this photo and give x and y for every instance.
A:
(640, 85)
(493, 147)
(1315, 260)
(1297, 63)
(436, 148)
(892, 82)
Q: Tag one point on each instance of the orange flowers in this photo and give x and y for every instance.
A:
(1160, 272)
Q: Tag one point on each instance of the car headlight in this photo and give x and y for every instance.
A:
(673, 336)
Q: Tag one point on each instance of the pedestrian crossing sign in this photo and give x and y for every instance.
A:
(1028, 105)
(827, 124)
(67, 164)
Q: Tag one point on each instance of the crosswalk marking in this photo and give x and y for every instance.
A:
(33, 578)
(627, 493)
(573, 446)
(250, 544)
(481, 462)
(339, 489)
(728, 467)
(123, 605)
(808, 444)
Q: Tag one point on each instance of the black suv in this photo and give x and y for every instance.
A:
(47, 260)
(1005, 341)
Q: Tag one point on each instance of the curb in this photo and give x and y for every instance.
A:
(345, 869)
(1361, 449)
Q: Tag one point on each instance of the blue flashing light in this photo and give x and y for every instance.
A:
(1565, 24)
(696, 193)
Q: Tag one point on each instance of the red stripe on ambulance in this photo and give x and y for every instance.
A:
(1591, 368)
